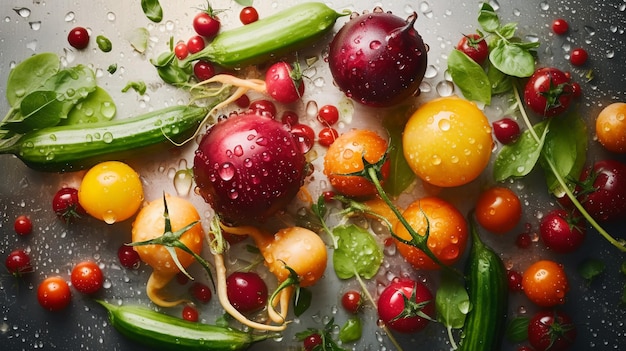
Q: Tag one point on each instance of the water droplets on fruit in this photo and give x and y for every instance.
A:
(226, 171)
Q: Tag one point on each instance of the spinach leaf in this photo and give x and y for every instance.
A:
(29, 75)
(153, 10)
(71, 85)
(519, 158)
(400, 175)
(96, 107)
(452, 302)
(500, 82)
(566, 147)
(39, 109)
(512, 59)
(517, 330)
(171, 70)
(470, 77)
(488, 18)
(507, 31)
(357, 252)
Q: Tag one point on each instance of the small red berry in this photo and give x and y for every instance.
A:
(23, 225)
(560, 26)
(578, 57)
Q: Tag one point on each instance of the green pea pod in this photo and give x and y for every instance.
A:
(80, 146)
(164, 332)
(488, 293)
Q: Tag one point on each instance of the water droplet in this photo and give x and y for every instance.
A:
(183, 180)
(70, 16)
(445, 88)
(610, 54)
(431, 71)
(444, 124)
(22, 11)
(109, 217)
(226, 171)
(111, 16)
(108, 109)
(311, 108)
(435, 160)
(375, 44)
(107, 137)
(544, 6)
(36, 25)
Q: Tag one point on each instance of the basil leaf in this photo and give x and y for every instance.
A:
(566, 147)
(500, 82)
(488, 18)
(470, 77)
(152, 9)
(39, 109)
(29, 75)
(97, 107)
(519, 158)
(71, 85)
(508, 30)
(590, 269)
(351, 331)
(400, 174)
(452, 302)
(512, 59)
(357, 252)
(517, 330)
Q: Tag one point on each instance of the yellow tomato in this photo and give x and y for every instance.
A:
(447, 142)
(111, 191)
(611, 127)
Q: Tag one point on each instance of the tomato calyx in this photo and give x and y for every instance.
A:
(302, 296)
(554, 93)
(325, 334)
(411, 307)
(557, 330)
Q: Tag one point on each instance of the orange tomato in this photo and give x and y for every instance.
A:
(448, 232)
(345, 156)
(498, 210)
(611, 127)
(545, 283)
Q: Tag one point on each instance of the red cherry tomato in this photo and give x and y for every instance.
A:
(327, 136)
(181, 51)
(506, 130)
(206, 24)
(195, 44)
(246, 291)
(498, 210)
(474, 46)
(392, 304)
(560, 26)
(562, 231)
(352, 301)
(551, 330)
(54, 293)
(78, 38)
(87, 277)
(545, 283)
(578, 57)
(18, 263)
(66, 206)
(328, 115)
(548, 92)
(203, 70)
(248, 15)
(23, 225)
(128, 257)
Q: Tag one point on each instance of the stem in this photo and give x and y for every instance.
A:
(618, 244)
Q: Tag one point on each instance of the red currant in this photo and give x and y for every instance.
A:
(312, 341)
(515, 280)
(195, 44)
(23, 225)
(263, 107)
(328, 115)
(506, 130)
(560, 26)
(128, 257)
(203, 70)
(351, 301)
(289, 118)
(578, 57)
(78, 38)
(190, 314)
(327, 136)
(248, 15)
(201, 292)
(18, 263)
(523, 241)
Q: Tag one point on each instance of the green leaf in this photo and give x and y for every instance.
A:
(508, 30)
(591, 269)
(71, 85)
(512, 59)
(452, 302)
(519, 158)
(301, 300)
(29, 75)
(39, 109)
(139, 87)
(351, 331)
(470, 77)
(244, 2)
(500, 82)
(153, 10)
(400, 174)
(357, 252)
(138, 39)
(97, 107)
(517, 330)
(488, 18)
(566, 147)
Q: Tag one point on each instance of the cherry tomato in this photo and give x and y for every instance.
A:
(402, 302)
(128, 257)
(181, 51)
(562, 231)
(248, 15)
(203, 70)
(515, 280)
(548, 92)
(551, 330)
(201, 292)
(578, 57)
(447, 142)
(66, 206)
(190, 314)
(87, 277)
(305, 136)
(498, 210)
(474, 46)
(611, 127)
(523, 240)
(206, 24)
(506, 130)
(54, 293)
(23, 225)
(18, 263)
(289, 118)
(602, 190)
(576, 90)
(111, 191)
(328, 115)
(195, 44)
(447, 232)
(545, 283)
(352, 301)
(263, 107)
(312, 341)
(78, 38)
(560, 26)
(327, 136)
(246, 291)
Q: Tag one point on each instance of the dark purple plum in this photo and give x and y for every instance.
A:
(248, 166)
(378, 59)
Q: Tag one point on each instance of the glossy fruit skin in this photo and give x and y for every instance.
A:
(551, 330)
(578, 57)
(190, 314)
(128, 257)
(352, 301)
(78, 38)
(66, 206)
(201, 292)
(23, 225)
(345, 156)
(87, 277)
(327, 136)
(284, 83)
(474, 46)
(561, 231)
(248, 15)
(447, 142)
(378, 59)
(203, 70)
(54, 294)
(560, 26)
(611, 127)
(391, 304)
(328, 115)
(545, 283)
(603, 193)
(311, 341)
(498, 210)
(447, 237)
(18, 263)
(181, 51)
(548, 92)
(247, 167)
(206, 24)
(195, 44)
(506, 130)
(263, 107)
(246, 291)
(111, 191)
